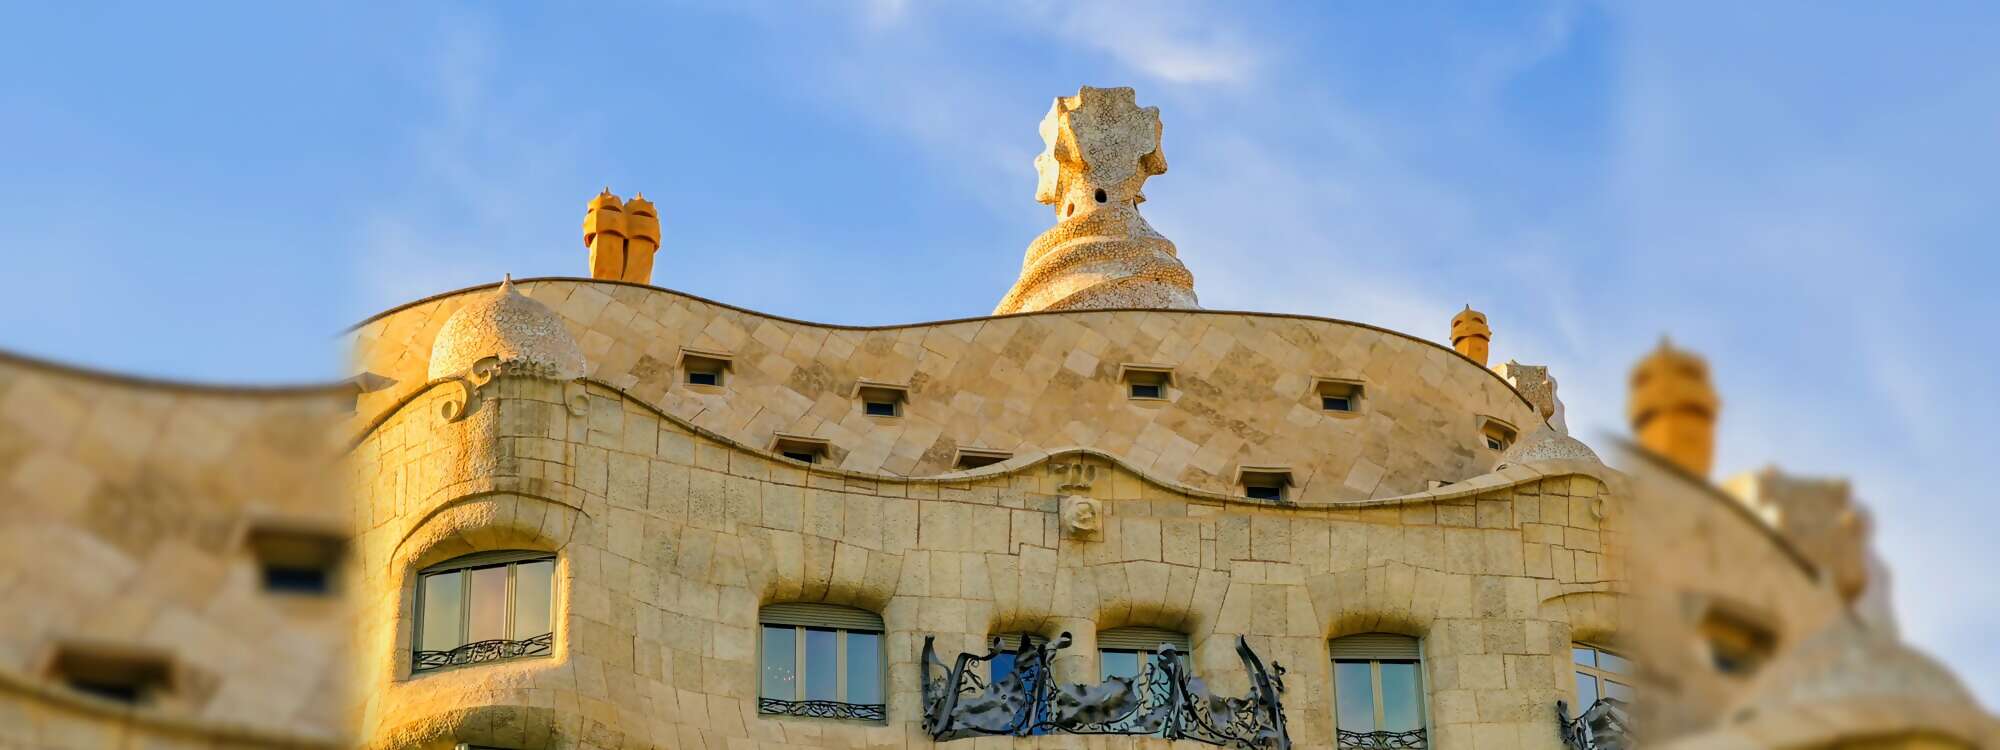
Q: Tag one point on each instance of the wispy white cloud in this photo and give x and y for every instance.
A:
(1172, 42)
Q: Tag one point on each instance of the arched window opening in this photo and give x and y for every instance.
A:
(483, 607)
(821, 660)
(1378, 691)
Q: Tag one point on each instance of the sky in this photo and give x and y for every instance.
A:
(1800, 191)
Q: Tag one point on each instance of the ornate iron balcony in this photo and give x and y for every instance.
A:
(483, 651)
(1603, 726)
(1414, 739)
(1164, 700)
(824, 709)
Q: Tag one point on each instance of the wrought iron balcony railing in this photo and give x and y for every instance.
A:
(824, 709)
(483, 651)
(1163, 700)
(1604, 726)
(1414, 739)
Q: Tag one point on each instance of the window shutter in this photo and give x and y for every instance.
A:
(1142, 639)
(1012, 641)
(1376, 646)
(815, 615)
(489, 557)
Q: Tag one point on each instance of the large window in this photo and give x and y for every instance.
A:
(1123, 652)
(1378, 691)
(821, 660)
(1599, 674)
(485, 607)
(1138, 654)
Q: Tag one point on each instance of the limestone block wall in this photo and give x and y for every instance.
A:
(669, 538)
(126, 505)
(1243, 390)
(1703, 548)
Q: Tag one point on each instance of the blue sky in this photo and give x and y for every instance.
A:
(1801, 191)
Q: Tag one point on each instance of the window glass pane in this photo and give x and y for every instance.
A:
(822, 670)
(1117, 664)
(534, 594)
(1586, 692)
(488, 619)
(1613, 663)
(1619, 691)
(1354, 692)
(1402, 697)
(1002, 665)
(781, 654)
(864, 668)
(1583, 655)
(443, 594)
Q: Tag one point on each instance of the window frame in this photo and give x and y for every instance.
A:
(714, 363)
(1375, 662)
(1134, 376)
(1496, 434)
(801, 619)
(465, 564)
(892, 396)
(1598, 673)
(1275, 479)
(1353, 392)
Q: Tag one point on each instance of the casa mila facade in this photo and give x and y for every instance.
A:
(597, 513)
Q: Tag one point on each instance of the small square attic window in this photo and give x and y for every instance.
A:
(810, 450)
(973, 458)
(704, 368)
(117, 673)
(881, 399)
(1497, 434)
(1737, 644)
(1265, 482)
(296, 559)
(1146, 382)
(1338, 395)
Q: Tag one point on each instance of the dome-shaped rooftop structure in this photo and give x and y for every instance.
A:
(1546, 444)
(526, 336)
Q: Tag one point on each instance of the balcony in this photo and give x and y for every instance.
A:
(1163, 700)
(1606, 725)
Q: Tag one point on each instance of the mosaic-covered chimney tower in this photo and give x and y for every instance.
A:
(1100, 148)
(622, 237)
(1673, 408)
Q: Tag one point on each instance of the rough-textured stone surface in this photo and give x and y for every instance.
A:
(127, 508)
(668, 540)
(1100, 148)
(1242, 393)
(523, 336)
(1547, 444)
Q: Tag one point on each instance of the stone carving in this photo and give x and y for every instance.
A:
(622, 237)
(502, 333)
(457, 405)
(1081, 518)
(1539, 388)
(1100, 149)
(523, 336)
(1073, 476)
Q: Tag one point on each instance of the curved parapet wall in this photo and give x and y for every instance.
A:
(1243, 389)
(135, 509)
(669, 538)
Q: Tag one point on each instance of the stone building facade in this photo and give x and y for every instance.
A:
(595, 513)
